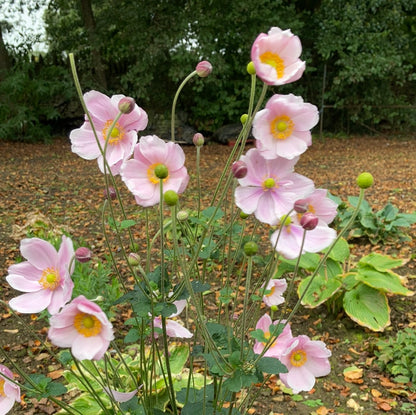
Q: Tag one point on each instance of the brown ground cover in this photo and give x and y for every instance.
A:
(68, 190)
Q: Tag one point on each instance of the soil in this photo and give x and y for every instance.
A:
(49, 180)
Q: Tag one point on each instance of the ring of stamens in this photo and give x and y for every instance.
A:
(281, 127)
(50, 279)
(298, 358)
(274, 60)
(116, 135)
(87, 324)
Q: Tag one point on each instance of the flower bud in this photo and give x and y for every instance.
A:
(133, 259)
(239, 169)
(198, 140)
(273, 307)
(182, 215)
(309, 221)
(244, 215)
(126, 105)
(203, 69)
(251, 69)
(250, 248)
(161, 171)
(110, 193)
(244, 118)
(301, 206)
(83, 254)
(170, 197)
(365, 180)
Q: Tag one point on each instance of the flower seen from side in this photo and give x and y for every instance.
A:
(280, 344)
(287, 240)
(120, 397)
(275, 56)
(120, 140)
(270, 187)
(320, 205)
(82, 326)
(9, 391)
(283, 127)
(45, 277)
(274, 292)
(141, 173)
(305, 360)
(203, 69)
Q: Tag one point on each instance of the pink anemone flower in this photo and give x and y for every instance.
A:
(280, 344)
(120, 396)
(283, 127)
(138, 173)
(103, 111)
(274, 292)
(9, 391)
(82, 326)
(275, 56)
(288, 239)
(173, 328)
(320, 205)
(270, 187)
(45, 277)
(305, 360)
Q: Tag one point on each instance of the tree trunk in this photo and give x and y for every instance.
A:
(5, 62)
(89, 22)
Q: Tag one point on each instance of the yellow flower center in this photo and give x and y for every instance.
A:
(281, 127)
(267, 335)
(270, 58)
(116, 135)
(151, 175)
(298, 358)
(87, 325)
(2, 387)
(50, 278)
(269, 183)
(272, 290)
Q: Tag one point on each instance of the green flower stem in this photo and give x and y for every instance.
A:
(198, 183)
(175, 99)
(162, 242)
(245, 304)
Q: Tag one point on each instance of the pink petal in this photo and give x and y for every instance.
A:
(63, 337)
(21, 283)
(33, 302)
(38, 252)
(247, 198)
(84, 144)
(88, 347)
(119, 396)
(319, 238)
(100, 106)
(26, 270)
(174, 329)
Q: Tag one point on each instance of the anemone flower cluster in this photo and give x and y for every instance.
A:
(269, 187)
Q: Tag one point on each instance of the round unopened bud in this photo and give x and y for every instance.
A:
(83, 254)
(110, 193)
(250, 248)
(203, 69)
(309, 221)
(251, 69)
(273, 307)
(133, 259)
(126, 105)
(170, 197)
(244, 118)
(301, 206)
(182, 215)
(244, 215)
(198, 140)
(365, 180)
(239, 169)
(161, 171)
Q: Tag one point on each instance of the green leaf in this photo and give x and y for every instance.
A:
(271, 365)
(128, 223)
(56, 389)
(382, 281)
(368, 307)
(320, 290)
(380, 262)
(340, 252)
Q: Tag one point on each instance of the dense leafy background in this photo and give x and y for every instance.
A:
(363, 50)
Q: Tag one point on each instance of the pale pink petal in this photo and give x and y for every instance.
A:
(38, 252)
(21, 283)
(63, 337)
(88, 347)
(65, 254)
(119, 396)
(27, 270)
(100, 106)
(84, 143)
(153, 148)
(33, 302)
(58, 299)
(298, 379)
(174, 329)
(319, 238)
(247, 198)
(267, 209)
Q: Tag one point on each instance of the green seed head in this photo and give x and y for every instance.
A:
(161, 171)
(171, 197)
(251, 69)
(365, 180)
(250, 248)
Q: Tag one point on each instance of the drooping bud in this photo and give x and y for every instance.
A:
(83, 254)
(133, 259)
(110, 193)
(301, 206)
(250, 248)
(365, 180)
(182, 215)
(309, 221)
(244, 118)
(251, 69)
(203, 69)
(170, 197)
(161, 171)
(126, 105)
(198, 140)
(239, 169)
